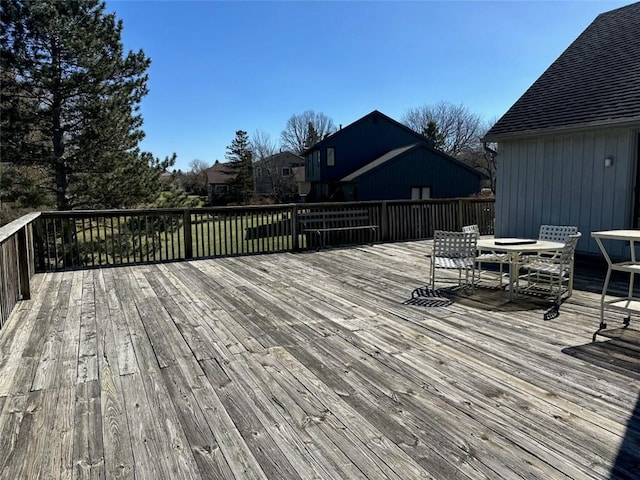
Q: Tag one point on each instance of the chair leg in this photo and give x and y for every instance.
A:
(570, 287)
(473, 277)
(559, 297)
(432, 274)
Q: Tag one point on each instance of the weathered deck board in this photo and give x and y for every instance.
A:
(310, 366)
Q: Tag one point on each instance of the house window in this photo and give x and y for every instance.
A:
(221, 189)
(286, 171)
(331, 156)
(420, 193)
(259, 172)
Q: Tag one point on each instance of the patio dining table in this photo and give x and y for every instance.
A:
(515, 247)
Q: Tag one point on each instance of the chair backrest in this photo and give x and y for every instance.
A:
(566, 255)
(454, 244)
(471, 229)
(556, 233)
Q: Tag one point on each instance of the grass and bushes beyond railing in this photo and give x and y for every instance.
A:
(79, 239)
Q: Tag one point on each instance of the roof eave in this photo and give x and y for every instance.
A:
(617, 123)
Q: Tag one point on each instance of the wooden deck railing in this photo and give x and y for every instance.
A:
(17, 264)
(47, 241)
(78, 239)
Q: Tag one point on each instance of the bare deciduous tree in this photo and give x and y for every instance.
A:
(198, 166)
(192, 181)
(198, 178)
(262, 145)
(270, 163)
(296, 138)
(458, 126)
(482, 156)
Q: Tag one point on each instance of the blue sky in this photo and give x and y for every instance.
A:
(218, 67)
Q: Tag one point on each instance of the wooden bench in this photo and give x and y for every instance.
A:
(323, 222)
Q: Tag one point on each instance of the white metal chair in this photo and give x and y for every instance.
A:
(551, 274)
(487, 256)
(556, 233)
(454, 250)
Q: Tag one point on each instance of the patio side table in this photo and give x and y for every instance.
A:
(629, 304)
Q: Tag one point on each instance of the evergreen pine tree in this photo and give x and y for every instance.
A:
(240, 164)
(312, 137)
(434, 136)
(70, 101)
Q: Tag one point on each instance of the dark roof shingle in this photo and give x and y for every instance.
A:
(596, 81)
(220, 174)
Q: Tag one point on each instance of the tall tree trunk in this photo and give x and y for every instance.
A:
(62, 202)
(62, 183)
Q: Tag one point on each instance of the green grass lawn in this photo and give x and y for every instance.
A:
(118, 240)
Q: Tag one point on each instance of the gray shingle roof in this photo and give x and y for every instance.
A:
(220, 174)
(596, 81)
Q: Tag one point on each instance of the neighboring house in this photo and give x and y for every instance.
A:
(165, 180)
(569, 148)
(219, 178)
(275, 176)
(378, 158)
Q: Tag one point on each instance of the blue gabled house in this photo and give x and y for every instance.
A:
(378, 158)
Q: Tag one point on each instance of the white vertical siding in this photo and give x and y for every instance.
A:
(562, 180)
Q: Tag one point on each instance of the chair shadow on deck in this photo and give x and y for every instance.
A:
(620, 353)
(484, 297)
(429, 297)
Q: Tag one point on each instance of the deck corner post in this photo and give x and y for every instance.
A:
(39, 245)
(384, 221)
(188, 242)
(460, 213)
(294, 228)
(23, 264)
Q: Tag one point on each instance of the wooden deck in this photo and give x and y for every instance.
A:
(313, 365)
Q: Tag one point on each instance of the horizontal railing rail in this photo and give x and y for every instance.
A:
(17, 264)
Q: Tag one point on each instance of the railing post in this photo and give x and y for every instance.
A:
(460, 214)
(294, 228)
(384, 221)
(39, 244)
(23, 264)
(188, 242)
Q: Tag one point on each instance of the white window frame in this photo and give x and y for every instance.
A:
(420, 193)
(331, 156)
